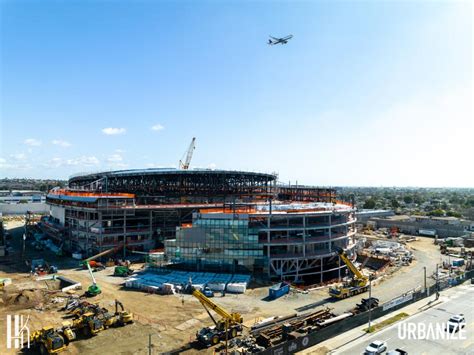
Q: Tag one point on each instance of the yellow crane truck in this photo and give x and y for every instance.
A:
(229, 326)
(358, 283)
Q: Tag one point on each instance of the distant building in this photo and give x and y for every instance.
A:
(425, 225)
(363, 216)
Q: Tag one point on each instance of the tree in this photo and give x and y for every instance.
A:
(437, 213)
(408, 199)
(395, 203)
(369, 204)
(453, 214)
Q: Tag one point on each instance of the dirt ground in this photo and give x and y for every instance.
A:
(173, 320)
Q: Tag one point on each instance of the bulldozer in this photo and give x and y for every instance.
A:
(48, 341)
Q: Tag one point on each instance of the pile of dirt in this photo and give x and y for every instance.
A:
(26, 298)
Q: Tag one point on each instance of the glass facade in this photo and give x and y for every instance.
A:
(217, 243)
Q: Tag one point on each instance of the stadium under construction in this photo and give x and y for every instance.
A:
(205, 220)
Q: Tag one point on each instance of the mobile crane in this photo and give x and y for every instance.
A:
(228, 327)
(359, 283)
(189, 154)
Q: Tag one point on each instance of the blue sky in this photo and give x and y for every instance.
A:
(368, 93)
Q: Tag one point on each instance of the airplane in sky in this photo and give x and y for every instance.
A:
(272, 41)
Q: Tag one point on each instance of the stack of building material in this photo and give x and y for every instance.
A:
(238, 284)
(154, 282)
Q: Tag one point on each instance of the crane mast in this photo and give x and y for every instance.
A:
(189, 154)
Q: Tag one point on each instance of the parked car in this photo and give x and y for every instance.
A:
(456, 323)
(208, 292)
(376, 347)
(397, 352)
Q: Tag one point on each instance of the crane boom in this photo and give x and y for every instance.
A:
(90, 272)
(350, 265)
(189, 155)
(207, 303)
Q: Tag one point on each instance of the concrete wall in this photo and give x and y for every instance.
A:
(22, 208)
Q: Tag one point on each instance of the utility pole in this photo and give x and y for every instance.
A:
(437, 283)
(370, 300)
(424, 270)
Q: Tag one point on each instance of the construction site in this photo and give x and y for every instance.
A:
(184, 261)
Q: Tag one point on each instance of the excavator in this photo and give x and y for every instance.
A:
(359, 283)
(228, 327)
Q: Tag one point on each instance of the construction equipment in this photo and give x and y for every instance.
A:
(103, 253)
(122, 271)
(357, 284)
(47, 341)
(189, 154)
(226, 328)
(93, 289)
(122, 317)
(89, 323)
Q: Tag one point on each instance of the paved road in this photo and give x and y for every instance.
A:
(407, 278)
(459, 302)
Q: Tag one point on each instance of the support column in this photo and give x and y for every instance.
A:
(304, 236)
(321, 260)
(124, 232)
(330, 234)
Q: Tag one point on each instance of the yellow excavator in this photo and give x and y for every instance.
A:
(226, 328)
(358, 283)
(118, 319)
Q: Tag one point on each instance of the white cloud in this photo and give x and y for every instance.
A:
(32, 142)
(18, 156)
(157, 127)
(119, 151)
(114, 158)
(4, 164)
(212, 166)
(55, 163)
(111, 131)
(61, 143)
(83, 161)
